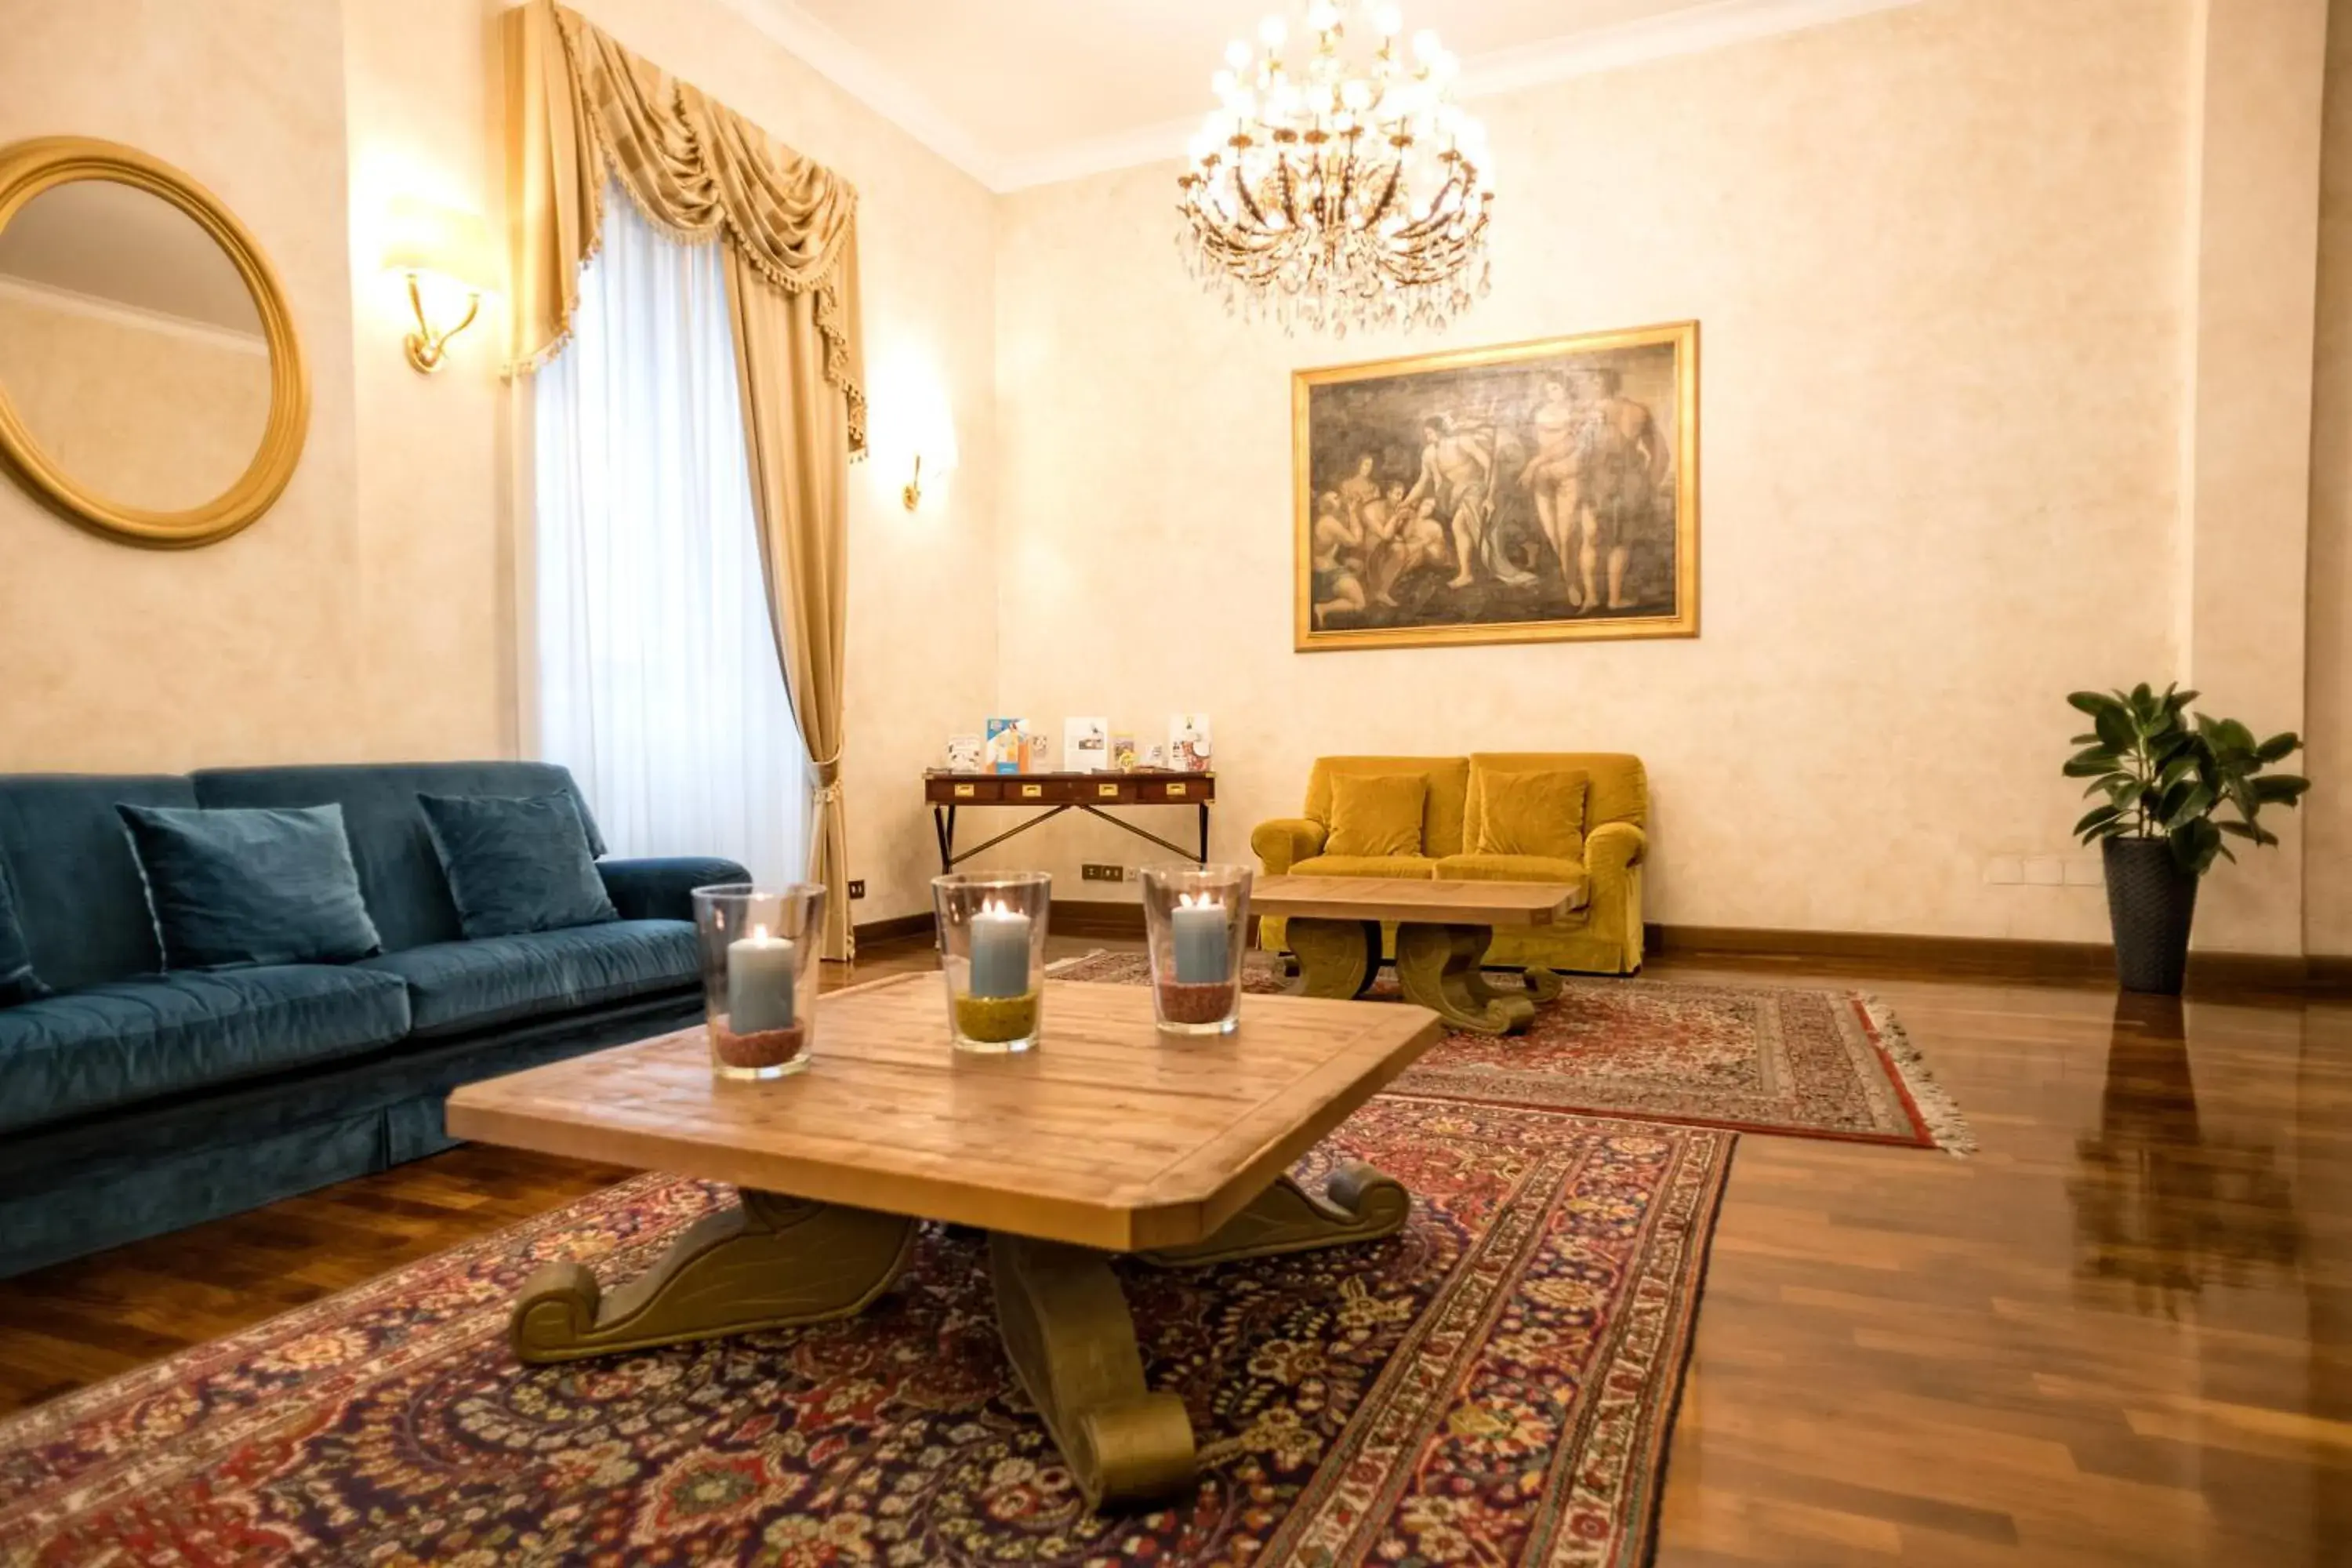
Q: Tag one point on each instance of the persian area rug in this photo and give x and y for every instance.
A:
(1755, 1059)
(1495, 1384)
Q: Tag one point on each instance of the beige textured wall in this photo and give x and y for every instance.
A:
(2328, 815)
(153, 414)
(1937, 257)
(119, 659)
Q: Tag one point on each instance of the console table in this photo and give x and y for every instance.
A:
(1098, 795)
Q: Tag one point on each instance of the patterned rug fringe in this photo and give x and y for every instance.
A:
(1937, 1106)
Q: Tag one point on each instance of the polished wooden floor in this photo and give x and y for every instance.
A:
(2121, 1334)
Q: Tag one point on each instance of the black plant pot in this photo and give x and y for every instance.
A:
(2150, 903)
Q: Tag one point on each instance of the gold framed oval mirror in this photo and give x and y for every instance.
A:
(151, 387)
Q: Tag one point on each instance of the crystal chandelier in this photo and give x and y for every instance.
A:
(1348, 192)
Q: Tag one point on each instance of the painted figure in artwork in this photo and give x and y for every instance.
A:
(1457, 470)
(1622, 463)
(1338, 556)
(1550, 476)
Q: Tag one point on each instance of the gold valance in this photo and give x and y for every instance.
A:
(586, 109)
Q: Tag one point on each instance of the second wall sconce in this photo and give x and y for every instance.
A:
(442, 251)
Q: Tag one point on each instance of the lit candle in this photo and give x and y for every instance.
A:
(1000, 952)
(1202, 950)
(760, 983)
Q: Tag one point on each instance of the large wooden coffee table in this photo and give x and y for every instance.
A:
(1107, 1138)
(1443, 933)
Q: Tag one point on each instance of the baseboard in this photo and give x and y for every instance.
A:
(898, 927)
(2000, 957)
(1072, 916)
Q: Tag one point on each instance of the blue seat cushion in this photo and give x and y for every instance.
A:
(455, 986)
(124, 1041)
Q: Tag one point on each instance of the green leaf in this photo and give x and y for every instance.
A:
(2279, 788)
(2090, 740)
(2240, 830)
(2099, 817)
(2279, 747)
(2115, 729)
(2197, 805)
(2091, 702)
(2194, 845)
(2177, 698)
(2231, 735)
(2092, 760)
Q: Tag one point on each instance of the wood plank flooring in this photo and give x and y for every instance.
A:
(2121, 1334)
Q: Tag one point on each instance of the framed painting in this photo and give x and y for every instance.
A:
(1535, 492)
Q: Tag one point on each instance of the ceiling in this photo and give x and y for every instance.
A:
(114, 242)
(1021, 92)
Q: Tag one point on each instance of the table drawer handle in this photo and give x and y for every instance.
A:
(1107, 791)
(1033, 792)
(965, 792)
(1175, 791)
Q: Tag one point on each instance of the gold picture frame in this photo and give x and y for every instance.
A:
(28, 168)
(1543, 471)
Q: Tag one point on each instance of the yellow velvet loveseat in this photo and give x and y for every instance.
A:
(1603, 935)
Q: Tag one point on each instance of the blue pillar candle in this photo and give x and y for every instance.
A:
(1201, 936)
(1000, 952)
(761, 972)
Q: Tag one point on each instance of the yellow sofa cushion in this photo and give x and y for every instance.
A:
(1441, 819)
(1533, 812)
(1377, 814)
(1419, 866)
(1519, 868)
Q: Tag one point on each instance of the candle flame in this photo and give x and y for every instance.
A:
(1198, 900)
(758, 932)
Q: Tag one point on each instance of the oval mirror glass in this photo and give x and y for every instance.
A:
(131, 346)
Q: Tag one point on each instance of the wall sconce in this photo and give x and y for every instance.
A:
(941, 443)
(442, 252)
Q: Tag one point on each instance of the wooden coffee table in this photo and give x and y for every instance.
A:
(1443, 933)
(1107, 1137)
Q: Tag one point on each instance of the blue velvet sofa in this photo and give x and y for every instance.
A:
(133, 1102)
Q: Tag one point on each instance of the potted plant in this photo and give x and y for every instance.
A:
(2165, 772)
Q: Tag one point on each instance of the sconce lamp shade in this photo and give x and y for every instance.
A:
(425, 237)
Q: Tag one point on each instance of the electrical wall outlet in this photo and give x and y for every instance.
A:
(1095, 871)
(858, 887)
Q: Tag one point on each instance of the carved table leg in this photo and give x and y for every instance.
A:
(1069, 1336)
(1336, 958)
(1363, 1205)
(770, 1263)
(1544, 985)
(1438, 965)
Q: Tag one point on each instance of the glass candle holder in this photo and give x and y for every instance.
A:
(759, 949)
(993, 956)
(1195, 919)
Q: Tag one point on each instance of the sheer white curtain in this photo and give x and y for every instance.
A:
(658, 680)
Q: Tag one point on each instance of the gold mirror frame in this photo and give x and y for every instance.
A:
(28, 168)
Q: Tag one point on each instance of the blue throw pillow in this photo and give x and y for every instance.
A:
(516, 865)
(234, 887)
(17, 980)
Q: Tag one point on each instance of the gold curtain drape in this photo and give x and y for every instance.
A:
(581, 109)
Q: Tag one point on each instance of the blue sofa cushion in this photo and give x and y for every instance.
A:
(516, 866)
(251, 886)
(455, 986)
(131, 1041)
(17, 980)
(79, 892)
(399, 871)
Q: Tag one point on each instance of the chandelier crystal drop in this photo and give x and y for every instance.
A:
(1344, 190)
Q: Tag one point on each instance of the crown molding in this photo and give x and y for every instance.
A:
(1692, 30)
(74, 302)
(867, 80)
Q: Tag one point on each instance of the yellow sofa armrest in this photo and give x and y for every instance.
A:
(1285, 841)
(1612, 847)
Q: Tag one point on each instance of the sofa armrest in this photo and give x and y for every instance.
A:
(658, 889)
(1285, 841)
(1615, 845)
